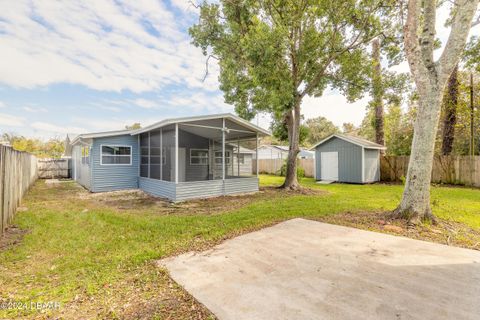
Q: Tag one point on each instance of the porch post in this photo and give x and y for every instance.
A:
(223, 149)
(256, 152)
(176, 152)
(238, 157)
(161, 154)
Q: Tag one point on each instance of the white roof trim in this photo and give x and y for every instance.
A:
(344, 138)
(229, 116)
(100, 135)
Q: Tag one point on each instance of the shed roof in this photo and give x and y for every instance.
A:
(353, 139)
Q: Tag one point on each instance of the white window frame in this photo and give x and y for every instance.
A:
(228, 156)
(199, 164)
(118, 155)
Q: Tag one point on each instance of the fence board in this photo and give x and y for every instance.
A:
(273, 166)
(53, 168)
(18, 170)
(464, 170)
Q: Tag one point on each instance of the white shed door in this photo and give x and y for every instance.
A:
(329, 166)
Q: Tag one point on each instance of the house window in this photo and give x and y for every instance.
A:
(218, 157)
(241, 158)
(116, 155)
(198, 156)
(85, 155)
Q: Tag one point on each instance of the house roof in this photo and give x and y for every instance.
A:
(229, 116)
(352, 139)
(282, 148)
(167, 122)
(100, 135)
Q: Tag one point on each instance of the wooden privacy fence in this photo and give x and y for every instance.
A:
(273, 166)
(53, 168)
(463, 170)
(18, 170)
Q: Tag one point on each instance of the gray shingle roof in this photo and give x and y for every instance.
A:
(353, 139)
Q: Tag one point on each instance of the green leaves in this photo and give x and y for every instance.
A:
(274, 52)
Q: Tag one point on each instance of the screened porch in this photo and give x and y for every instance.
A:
(199, 157)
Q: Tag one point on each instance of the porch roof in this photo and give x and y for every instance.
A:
(183, 120)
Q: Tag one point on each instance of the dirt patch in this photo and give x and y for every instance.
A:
(445, 232)
(12, 237)
(141, 201)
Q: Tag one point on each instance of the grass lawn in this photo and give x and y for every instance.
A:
(96, 253)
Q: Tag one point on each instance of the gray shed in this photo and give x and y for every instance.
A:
(345, 158)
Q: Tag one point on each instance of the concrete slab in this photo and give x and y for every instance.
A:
(302, 269)
(325, 181)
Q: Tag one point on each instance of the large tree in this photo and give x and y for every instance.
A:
(273, 53)
(430, 77)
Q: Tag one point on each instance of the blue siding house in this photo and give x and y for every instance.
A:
(179, 159)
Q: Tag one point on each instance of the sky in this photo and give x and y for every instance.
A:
(98, 65)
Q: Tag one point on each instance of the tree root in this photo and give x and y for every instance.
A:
(412, 216)
(294, 187)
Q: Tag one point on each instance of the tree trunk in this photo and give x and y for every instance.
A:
(415, 204)
(293, 125)
(377, 91)
(450, 119)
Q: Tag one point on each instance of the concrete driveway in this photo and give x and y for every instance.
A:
(302, 269)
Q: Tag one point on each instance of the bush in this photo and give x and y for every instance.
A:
(300, 171)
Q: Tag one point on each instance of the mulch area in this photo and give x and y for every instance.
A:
(139, 200)
(444, 232)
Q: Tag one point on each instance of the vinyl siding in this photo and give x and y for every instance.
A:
(159, 188)
(241, 185)
(215, 188)
(349, 159)
(372, 165)
(114, 177)
(198, 189)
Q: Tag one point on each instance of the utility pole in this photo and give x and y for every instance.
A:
(472, 145)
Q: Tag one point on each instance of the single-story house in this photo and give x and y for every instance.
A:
(346, 158)
(179, 159)
(280, 152)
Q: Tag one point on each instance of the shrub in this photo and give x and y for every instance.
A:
(300, 171)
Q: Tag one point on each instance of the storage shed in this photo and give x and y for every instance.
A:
(346, 158)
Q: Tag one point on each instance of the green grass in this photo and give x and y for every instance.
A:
(69, 250)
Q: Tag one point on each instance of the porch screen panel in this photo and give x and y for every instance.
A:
(168, 154)
(155, 161)
(144, 151)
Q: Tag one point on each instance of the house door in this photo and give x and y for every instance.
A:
(182, 155)
(329, 166)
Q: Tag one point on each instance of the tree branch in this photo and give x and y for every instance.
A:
(206, 66)
(457, 38)
(428, 34)
(410, 30)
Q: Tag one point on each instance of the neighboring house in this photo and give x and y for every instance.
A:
(281, 152)
(178, 159)
(347, 158)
